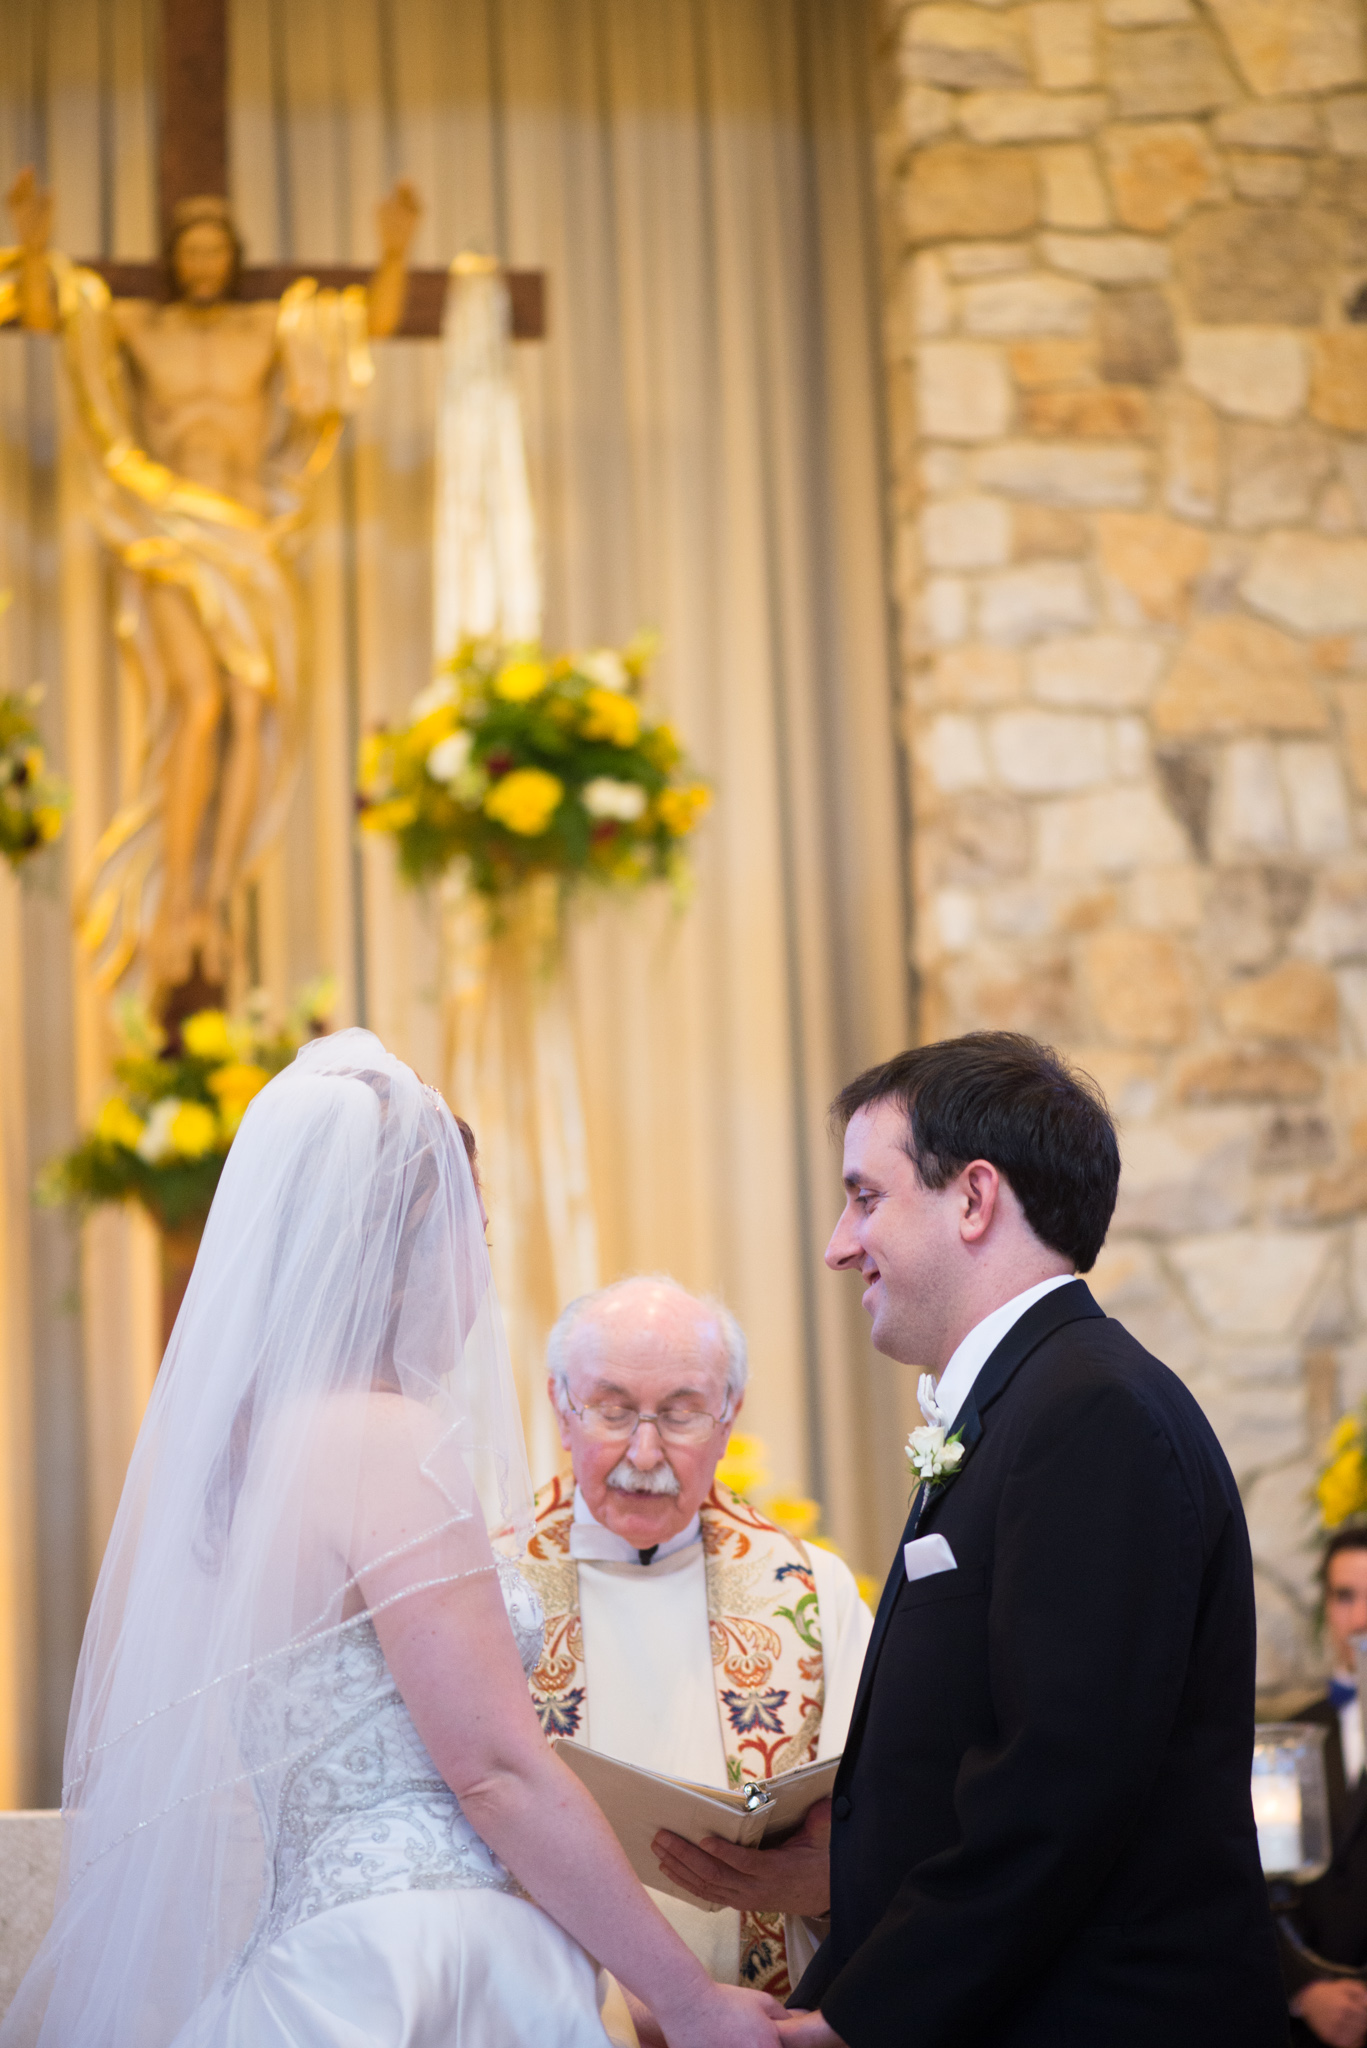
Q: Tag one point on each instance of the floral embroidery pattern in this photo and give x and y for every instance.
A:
(562, 1712)
(751, 1710)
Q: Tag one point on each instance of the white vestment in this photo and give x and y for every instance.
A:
(652, 1697)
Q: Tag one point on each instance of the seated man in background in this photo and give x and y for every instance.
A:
(1331, 1915)
(685, 1632)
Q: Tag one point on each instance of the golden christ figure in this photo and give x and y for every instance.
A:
(207, 418)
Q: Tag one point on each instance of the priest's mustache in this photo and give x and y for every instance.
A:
(629, 1478)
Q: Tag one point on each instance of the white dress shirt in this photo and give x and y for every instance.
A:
(956, 1381)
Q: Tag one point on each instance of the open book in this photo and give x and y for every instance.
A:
(639, 1803)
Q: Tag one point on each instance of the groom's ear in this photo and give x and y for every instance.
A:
(980, 1188)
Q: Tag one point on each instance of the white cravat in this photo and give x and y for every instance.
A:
(590, 1541)
(956, 1381)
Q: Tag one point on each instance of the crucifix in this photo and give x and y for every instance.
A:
(182, 372)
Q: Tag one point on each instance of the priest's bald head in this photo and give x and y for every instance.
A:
(647, 1380)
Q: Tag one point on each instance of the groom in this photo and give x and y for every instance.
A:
(1042, 1835)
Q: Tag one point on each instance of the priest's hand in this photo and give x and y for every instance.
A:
(794, 1878)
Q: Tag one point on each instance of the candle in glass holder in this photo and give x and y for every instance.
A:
(1277, 1811)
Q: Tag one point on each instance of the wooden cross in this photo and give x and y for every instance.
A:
(194, 159)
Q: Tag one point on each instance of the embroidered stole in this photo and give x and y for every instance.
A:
(765, 1629)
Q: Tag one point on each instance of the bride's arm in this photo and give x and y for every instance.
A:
(419, 1552)
(453, 1659)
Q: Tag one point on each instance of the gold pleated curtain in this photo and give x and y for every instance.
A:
(704, 432)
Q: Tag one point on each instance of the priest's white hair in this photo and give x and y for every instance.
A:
(729, 1331)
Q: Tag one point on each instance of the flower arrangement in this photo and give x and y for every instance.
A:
(744, 1467)
(1340, 1491)
(528, 766)
(163, 1135)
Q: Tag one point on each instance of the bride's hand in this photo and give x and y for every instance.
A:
(727, 2018)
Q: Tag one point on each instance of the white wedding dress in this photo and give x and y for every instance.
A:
(258, 1850)
(389, 1921)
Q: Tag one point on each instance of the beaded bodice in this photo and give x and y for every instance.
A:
(358, 1807)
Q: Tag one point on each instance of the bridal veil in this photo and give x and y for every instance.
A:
(338, 1366)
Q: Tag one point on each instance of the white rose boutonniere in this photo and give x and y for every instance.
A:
(932, 1457)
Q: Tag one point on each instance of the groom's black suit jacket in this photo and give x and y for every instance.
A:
(1042, 1833)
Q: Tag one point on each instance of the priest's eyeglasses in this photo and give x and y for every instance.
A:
(613, 1422)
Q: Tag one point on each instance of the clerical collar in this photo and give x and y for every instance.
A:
(594, 1544)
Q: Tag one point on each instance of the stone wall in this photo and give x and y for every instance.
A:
(1123, 243)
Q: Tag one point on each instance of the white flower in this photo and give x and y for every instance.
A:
(606, 798)
(604, 667)
(155, 1143)
(448, 758)
(442, 691)
(471, 786)
(932, 1459)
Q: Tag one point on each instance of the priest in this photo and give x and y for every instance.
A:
(686, 1632)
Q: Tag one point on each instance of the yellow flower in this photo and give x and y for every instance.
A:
(661, 747)
(680, 809)
(795, 1513)
(394, 816)
(236, 1084)
(525, 801)
(869, 1589)
(49, 820)
(34, 762)
(744, 1464)
(1342, 1488)
(206, 1036)
(1345, 1433)
(194, 1130)
(521, 680)
(611, 716)
(371, 761)
(420, 738)
(117, 1124)
(640, 651)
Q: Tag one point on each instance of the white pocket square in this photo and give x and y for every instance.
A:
(926, 1555)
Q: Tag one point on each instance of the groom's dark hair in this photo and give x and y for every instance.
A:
(999, 1096)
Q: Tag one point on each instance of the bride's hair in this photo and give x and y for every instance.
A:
(420, 1181)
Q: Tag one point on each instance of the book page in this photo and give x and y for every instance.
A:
(638, 1803)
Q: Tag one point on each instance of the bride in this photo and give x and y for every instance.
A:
(308, 1801)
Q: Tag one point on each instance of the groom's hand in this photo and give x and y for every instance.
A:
(794, 1878)
(808, 2030)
